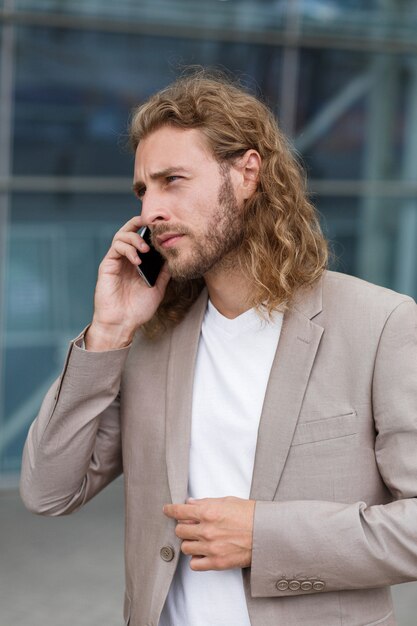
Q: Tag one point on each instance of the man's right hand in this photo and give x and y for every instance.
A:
(122, 300)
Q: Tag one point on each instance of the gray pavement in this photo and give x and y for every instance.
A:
(68, 571)
(64, 571)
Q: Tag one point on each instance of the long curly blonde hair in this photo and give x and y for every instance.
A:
(283, 246)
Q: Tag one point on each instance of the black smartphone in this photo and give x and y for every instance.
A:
(152, 261)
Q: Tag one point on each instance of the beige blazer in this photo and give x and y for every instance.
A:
(335, 475)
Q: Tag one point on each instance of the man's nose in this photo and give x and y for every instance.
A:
(154, 209)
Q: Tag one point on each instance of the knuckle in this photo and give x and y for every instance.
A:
(208, 513)
(118, 235)
(211, 515)
(221, 562)
(208, 533)
(216, 563)
(216, 550)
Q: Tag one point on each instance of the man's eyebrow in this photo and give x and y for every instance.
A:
(169, 171)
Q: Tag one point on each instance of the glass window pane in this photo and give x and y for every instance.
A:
(373, 237)
(238, 16)
(332, 112)
(357, 20)
(56, 243)
(339, 218)
(75, 90)
(1, 45)
(356, 114)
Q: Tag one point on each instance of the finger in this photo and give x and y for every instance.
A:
(133, 224)
(181, 511)
(134, 239)
(193, 548)
(200, 563)
(125, 250)
(188, 531)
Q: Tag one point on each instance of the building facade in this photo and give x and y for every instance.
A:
(341, 75)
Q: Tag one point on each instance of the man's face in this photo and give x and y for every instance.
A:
(190, 202)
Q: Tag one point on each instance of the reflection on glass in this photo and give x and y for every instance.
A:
(235, 15)
(56, 243)
(75, 91)
(346, 18)
(339, 219)
(28, 369)
(392, 248)
(332, 113)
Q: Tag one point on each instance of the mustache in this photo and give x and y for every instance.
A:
(161, 229)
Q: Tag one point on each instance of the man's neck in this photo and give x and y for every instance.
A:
(229, 292)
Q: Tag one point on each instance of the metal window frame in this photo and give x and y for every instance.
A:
(292, 39)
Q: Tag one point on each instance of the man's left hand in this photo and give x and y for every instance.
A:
(216, 532)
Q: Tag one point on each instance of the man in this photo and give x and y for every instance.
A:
(262, 409)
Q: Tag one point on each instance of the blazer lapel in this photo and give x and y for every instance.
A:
(180, 378)
(290, 372)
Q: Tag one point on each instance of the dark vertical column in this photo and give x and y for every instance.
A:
(406, 257)
(375, 227)
(6, 123)
(290, 70)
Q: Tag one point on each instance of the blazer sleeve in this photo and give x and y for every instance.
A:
(353, 546)
(73, 448)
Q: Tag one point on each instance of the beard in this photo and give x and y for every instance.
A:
(215, 249)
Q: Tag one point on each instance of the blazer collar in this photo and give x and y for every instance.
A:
(309, 300)
(290, 372)
(180, 379)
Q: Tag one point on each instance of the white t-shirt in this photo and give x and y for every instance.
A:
(233, 364)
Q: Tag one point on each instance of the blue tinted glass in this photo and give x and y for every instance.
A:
(75, 91)
(27, 377)
(339, 219)
(55, 244)
(235, 15)
(332, 112)
(373, 237)
(357, 20)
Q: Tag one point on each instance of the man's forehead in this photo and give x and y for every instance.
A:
(170, 147)
(173, 138)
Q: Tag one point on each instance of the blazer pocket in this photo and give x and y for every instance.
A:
(328, 428)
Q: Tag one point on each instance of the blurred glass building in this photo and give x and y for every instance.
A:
(341, 75)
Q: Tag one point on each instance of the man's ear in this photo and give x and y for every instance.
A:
(249, 166)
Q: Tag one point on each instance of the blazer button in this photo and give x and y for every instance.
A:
(282, 585)
(318, 585)
(306, 585)
(167, 553)
(294, 585)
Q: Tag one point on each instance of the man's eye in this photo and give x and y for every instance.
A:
(171, 179)
(140, 192)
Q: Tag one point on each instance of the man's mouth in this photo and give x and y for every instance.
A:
(168, 239)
